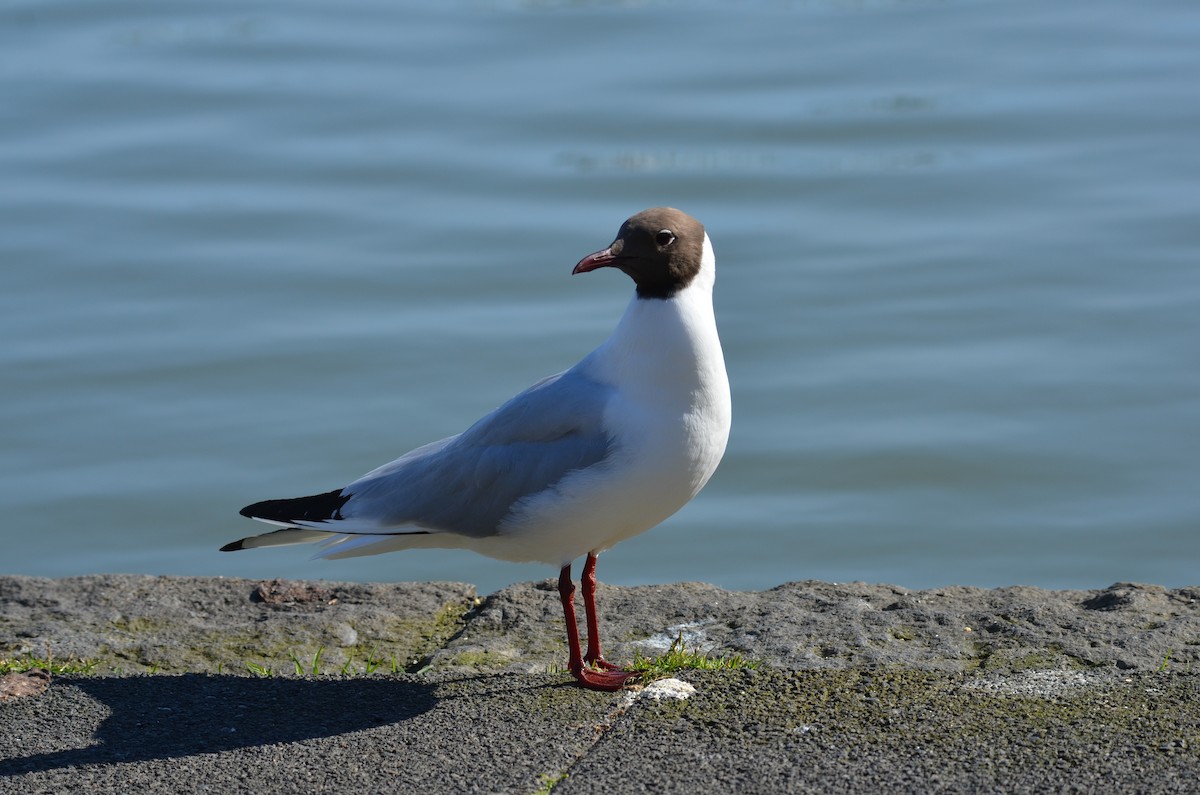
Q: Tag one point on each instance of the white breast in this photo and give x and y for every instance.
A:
(669, 420)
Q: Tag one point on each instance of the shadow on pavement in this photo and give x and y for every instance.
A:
(164, 717)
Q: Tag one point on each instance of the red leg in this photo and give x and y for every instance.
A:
(587, 580)
(585, 674)
(566, 592)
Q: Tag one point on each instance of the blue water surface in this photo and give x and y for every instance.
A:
(255, 249)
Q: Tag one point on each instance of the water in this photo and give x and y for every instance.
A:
(254, 249)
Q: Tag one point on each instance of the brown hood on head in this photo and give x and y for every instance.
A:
(660, 249)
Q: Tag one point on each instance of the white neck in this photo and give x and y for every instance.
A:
(675, 340)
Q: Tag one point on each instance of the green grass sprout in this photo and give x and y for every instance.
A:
(9, 665)
(680, 658)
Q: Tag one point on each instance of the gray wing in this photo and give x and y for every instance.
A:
(468, 483)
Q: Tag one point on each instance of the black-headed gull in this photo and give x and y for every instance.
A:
(574, 464)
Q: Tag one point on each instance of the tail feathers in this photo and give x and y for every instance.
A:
(311, 511)
(303, 520)
(278, 538)
(317, 508)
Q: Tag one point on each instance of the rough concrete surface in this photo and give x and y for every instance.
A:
(426, 688)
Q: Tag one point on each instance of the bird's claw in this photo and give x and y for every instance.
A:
(601, 664)
(609, 678)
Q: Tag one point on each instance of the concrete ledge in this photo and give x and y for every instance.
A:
(866, 688)
(134, 624)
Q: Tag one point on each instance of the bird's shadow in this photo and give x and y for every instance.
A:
(165, 717)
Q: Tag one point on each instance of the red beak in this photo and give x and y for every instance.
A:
(600, 259)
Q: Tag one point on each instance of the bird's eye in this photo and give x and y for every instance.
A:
(665, 238)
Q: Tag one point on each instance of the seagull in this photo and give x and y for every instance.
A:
(576, 463)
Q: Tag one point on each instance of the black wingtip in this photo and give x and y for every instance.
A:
(317, 508)
(234, 546)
